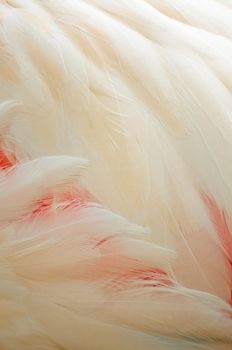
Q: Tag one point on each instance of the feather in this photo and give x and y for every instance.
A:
(115, 174)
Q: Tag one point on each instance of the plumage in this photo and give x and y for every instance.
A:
(115, 174)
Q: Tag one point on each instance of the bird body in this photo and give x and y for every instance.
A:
(115, 174)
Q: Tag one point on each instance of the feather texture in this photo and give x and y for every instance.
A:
(115, 174)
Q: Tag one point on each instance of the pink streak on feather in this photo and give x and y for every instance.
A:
(218, 218)
(65, 201)
(5, 161)
(42, 205)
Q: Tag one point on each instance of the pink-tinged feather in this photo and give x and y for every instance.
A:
(153, 277)
(219, 220)
(65, 201)
(103, 241)
(6, 162)
(75, 198)
(42, 205)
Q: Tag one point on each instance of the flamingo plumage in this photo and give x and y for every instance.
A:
(115, 174)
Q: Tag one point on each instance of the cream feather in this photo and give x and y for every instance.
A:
(115, 179)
